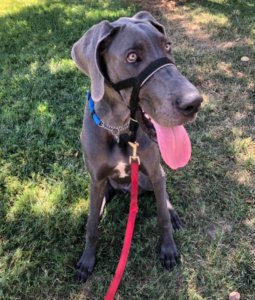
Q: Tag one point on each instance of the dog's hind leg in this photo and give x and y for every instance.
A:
(110, 192)
(87, 261)
(175, 219)
(145, 186)
(109, 195)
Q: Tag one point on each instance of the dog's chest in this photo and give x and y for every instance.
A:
(122, 170)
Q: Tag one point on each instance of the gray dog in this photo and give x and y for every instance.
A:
(108, 53)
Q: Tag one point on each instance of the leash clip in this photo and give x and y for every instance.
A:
(134, 155)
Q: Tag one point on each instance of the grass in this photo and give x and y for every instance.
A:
(44, 187)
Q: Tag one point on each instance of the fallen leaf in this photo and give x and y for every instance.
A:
(245, 58)
(234, 296)
(249, 201)
(240, 74)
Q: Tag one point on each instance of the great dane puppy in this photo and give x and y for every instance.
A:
(108, 53)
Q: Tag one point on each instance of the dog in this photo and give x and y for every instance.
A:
(108, 53)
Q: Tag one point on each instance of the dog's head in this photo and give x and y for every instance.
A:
(114, 51)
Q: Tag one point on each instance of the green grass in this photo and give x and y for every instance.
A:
(44, 187)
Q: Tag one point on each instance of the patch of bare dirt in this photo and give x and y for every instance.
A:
(156, 5)
(176, 12)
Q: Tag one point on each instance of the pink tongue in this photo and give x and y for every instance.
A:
(174, 145)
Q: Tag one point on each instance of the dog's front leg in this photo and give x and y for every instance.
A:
(169, 255)
(87, 261)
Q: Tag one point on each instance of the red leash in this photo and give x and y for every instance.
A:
(133, 209)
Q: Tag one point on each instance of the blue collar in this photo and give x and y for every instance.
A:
(114, 130)
(94, 116)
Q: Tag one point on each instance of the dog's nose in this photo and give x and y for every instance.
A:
(189, 104)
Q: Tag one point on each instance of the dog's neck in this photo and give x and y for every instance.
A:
(112, 109)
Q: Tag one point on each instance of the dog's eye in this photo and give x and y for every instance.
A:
(132, 57)
(168, 47)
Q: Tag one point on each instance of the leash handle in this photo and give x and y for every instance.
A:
(133, 210)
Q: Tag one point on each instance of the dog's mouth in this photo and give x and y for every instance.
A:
(174, 143)
(146, 124)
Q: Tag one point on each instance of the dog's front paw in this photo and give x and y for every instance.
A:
(169, 256)
(85, 268)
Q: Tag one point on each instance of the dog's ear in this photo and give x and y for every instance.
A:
(86, 55)
(146, 16)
